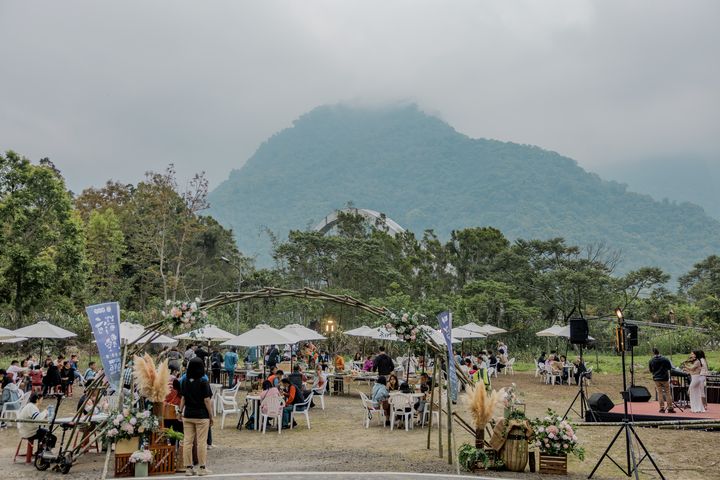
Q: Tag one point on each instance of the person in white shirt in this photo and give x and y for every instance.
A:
(31, 411)
(15, 369)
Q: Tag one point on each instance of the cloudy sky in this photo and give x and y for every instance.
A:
(112, 89)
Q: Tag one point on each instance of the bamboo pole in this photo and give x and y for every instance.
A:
(449, 413)
(438, 368)
(432, 401)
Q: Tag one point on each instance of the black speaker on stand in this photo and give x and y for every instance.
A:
(579, 335)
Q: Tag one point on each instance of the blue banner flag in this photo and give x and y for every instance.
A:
(445, 319)
(105, 323)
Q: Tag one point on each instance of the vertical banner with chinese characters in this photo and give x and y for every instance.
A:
(105, 323)
(445, 319)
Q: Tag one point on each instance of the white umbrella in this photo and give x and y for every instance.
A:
(565, 332)
(437, 335)
(13, 340)
(43, 330)
(302, 333)
(493, 330)
(363, 331)
(553, 331)
(260, 336)
(8, 336)
(382, 333)
(470, 330)
(208, 333)
(129, 332)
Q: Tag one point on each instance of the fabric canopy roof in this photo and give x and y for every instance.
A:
(363, 331)
(470, 330)
(208, 333)
(302, 333)
(553, 331)
(8, 336)
(129, 332)
(43, 329)
(260, 336)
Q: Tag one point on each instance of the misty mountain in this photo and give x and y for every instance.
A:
(425, 175)
(680, 178)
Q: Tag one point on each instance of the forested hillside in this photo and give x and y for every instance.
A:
(425, 175)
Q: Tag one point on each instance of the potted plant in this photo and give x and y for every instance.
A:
(141, 459)
(555, 438)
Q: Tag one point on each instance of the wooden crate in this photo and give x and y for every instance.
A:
(163, 460)
(123, 467)
(553, 465)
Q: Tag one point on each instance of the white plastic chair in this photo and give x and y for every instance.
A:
(273, 407)
(509, 367)
(370, 410)
(305, 410)
(401, 405)
(228, 406)
(320, 393)
(12, 409)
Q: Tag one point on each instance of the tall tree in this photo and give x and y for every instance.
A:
(41, 237)
(105, 251)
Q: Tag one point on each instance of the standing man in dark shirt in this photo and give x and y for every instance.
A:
(272, 356)
(660, 368)
(383, 364)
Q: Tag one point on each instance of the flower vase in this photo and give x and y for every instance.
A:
(141, 469)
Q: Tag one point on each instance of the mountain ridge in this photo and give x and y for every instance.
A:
(426, 175)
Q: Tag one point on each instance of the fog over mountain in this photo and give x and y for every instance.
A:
(424, 174)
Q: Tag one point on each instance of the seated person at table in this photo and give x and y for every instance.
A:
(541, 359)
(466, 366)
(339, 362)
(36, 378)
(473, 373)
(502, 361)
(380, 396)
(579, 369)
(324, 359)
(565, 369)
(67, 377)
(392, 382)
(10, 393)
(357, 357)
(31, 411)
(320, 381)
(368, 365)
(425, 383)
(276, 377)
(292, 396)
(492, 360)
(298, 378)
(269, 391)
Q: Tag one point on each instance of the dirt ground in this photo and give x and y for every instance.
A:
(338, 441)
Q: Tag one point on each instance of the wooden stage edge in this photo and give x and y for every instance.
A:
(648, 412)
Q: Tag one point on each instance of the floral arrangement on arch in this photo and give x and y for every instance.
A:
(406, 327)
(141, 456)
(511, 399)
(129, 423)
(555, 436)
(184, 314)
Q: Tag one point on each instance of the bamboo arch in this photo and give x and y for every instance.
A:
(96, 389)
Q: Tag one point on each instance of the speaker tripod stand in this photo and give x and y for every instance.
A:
(631, 464)
(581, 397)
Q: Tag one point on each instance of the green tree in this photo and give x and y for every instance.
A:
(702, 286)
(105, 251)
(41, 237)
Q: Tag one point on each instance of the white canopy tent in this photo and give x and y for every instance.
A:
(553, 331)
(437, 335)
(208, 333)
(301, 333)
(363, 331)
(262, 335)
(469, 331)
(493, 330)
(130, 332)
(8, 336)
(43, 330)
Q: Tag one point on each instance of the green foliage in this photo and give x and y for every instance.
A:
(41, 237)
(469, 457)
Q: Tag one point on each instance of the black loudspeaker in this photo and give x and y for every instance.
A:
(578, 331)
(631, 336)
(637, 394)
(599, 402)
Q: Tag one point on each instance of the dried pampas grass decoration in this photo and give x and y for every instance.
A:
(482, 405)
(152, 382)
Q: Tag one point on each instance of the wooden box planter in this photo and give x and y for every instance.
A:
(553, 464)
(123, 467)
